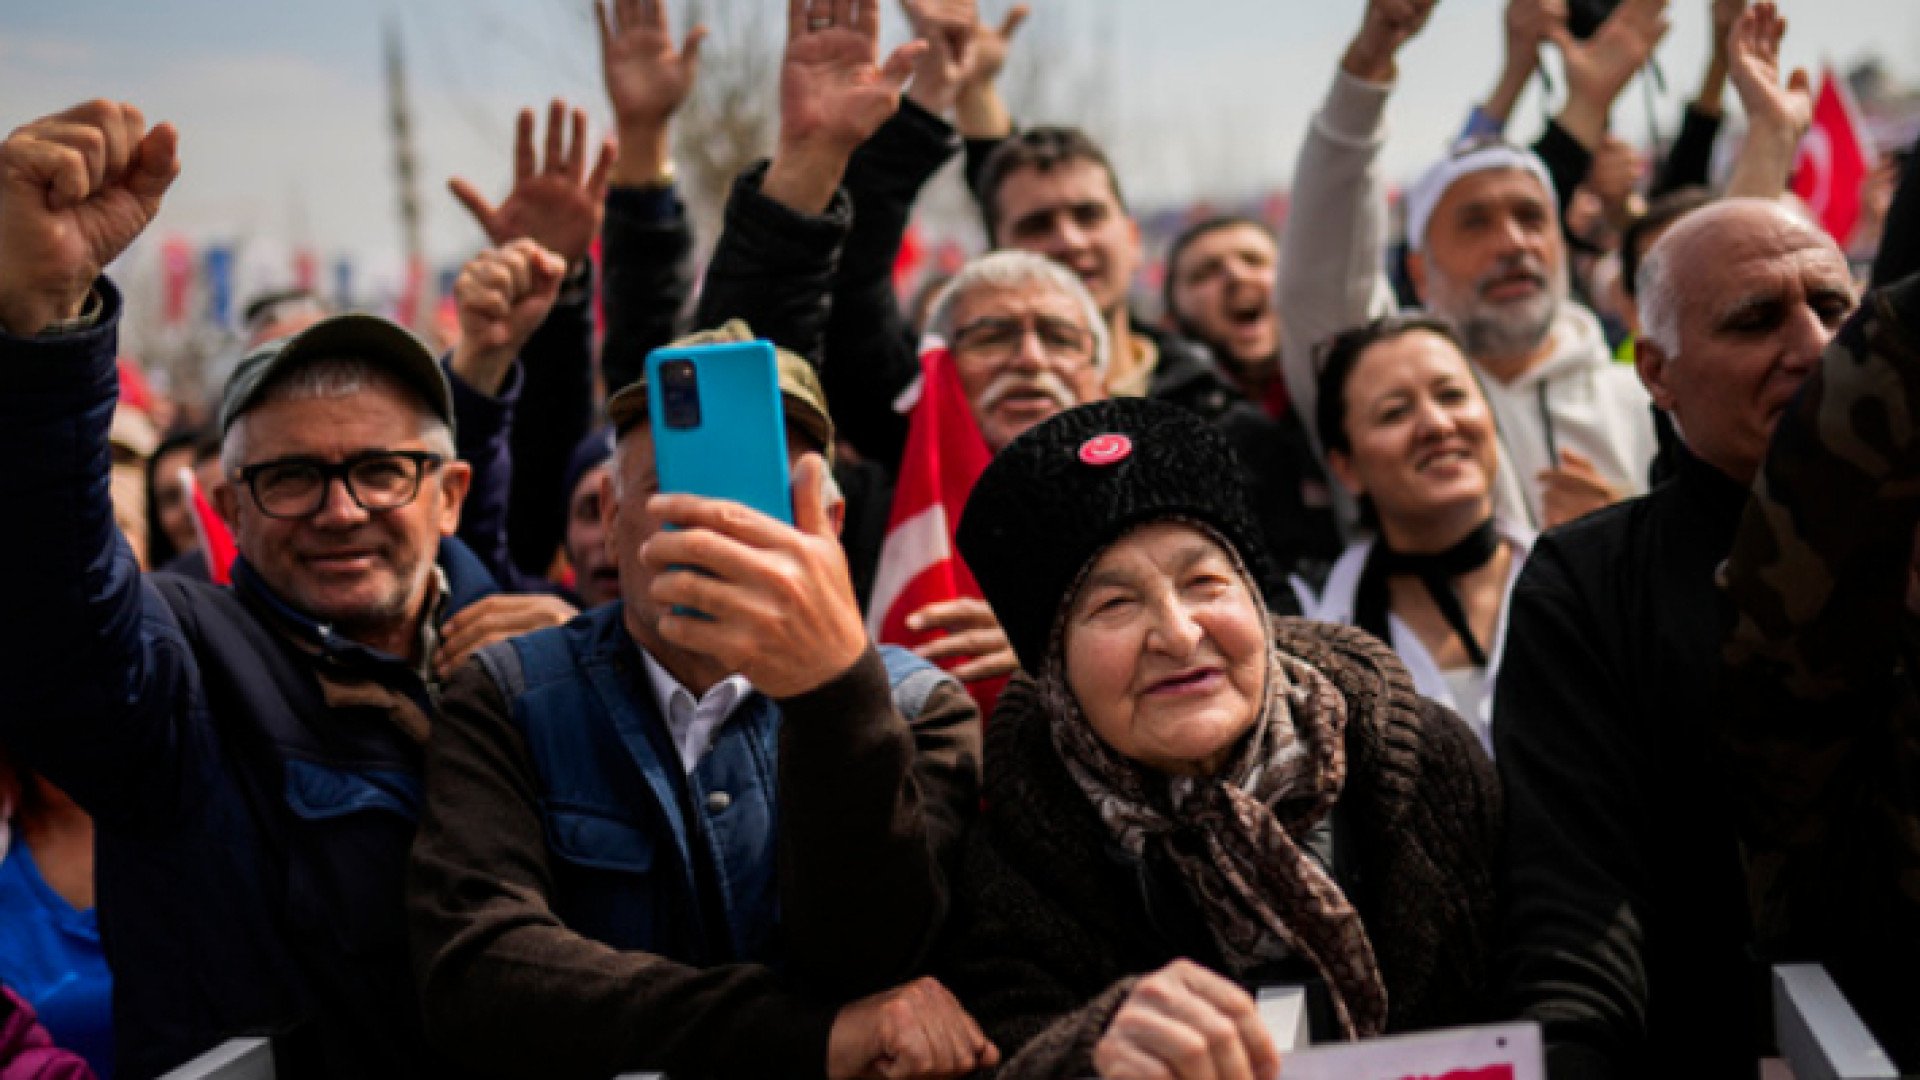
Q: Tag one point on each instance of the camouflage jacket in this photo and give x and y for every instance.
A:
(1820, 708)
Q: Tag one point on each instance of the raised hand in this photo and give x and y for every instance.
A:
(647, 78)
(1388, 25)
(917, 1030)
(1753, 55)
(75, 189)
(556, 202)
(1185, 1022)
(1725, 14)
(1713, 84)
(983, 64)
(1777, 116)
(979, 112)
(1528, 24)
(833, 95)
(503, 295)
(949, 28)
(1598, 68)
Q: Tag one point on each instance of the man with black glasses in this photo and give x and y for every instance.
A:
(250, 755)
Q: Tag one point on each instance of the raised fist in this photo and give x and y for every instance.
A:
(75, 189)
(503, 295)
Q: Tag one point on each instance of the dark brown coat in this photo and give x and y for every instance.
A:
(1052, 929)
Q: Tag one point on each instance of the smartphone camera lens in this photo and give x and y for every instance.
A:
(680, 394)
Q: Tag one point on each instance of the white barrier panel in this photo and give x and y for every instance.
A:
(235, 1059)
(1284, 1010)
(1495, 1052)
(1820, 1035)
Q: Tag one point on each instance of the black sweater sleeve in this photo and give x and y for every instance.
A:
(774, 267)
(1691, 158)
(554, 413)
(869, 355)
(1567, 162)
(647, 249)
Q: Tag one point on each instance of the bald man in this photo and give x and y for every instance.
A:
(1627, 931)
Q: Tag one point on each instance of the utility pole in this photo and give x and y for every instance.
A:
(415, 301)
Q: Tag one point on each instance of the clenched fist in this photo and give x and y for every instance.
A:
(75, 189)
(503, 295)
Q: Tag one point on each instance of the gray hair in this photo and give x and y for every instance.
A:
(1017, 270)
(1658, 298)
(336, 378)
(1663, 286)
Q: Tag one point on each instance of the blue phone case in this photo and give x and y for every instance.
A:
(737, 448)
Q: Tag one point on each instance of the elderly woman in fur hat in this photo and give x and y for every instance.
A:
(1187, 797)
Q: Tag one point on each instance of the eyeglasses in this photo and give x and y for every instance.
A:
(996, 338)
(296, 487)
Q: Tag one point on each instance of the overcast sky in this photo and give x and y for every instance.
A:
(282, 105)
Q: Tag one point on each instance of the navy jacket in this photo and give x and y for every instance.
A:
(251, 840)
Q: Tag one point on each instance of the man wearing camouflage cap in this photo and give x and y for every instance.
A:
(680, 840)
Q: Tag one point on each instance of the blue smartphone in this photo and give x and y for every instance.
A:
(719, 428)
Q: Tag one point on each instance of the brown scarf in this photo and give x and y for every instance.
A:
(1261, 895)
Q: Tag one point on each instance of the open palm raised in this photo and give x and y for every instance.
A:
(833, 93)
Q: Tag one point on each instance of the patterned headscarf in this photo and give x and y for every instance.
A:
(1262, 896)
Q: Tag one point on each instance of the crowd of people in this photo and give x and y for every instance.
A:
(1369, 626)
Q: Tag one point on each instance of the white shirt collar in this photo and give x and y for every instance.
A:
(692, 722)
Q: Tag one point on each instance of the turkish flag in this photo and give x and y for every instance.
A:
(1833, 161)
(216, 540)
(945, 454)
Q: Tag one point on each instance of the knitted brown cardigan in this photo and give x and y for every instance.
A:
(1050, 931)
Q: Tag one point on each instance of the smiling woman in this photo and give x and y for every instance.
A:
(1408, 432)
(1188, 797)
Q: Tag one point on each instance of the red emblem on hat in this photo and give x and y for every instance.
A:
(1106, 449)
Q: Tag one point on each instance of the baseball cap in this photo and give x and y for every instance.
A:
(368, 338)
(800, 390)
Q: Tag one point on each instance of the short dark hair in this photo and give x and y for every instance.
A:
(1191, 234)
(1660, 213)
(1043, 149)
(1342, 355)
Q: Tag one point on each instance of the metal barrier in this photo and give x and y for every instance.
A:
(235, 1059)
(1820, 1035)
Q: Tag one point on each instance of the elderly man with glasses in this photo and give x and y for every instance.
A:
(251, 755)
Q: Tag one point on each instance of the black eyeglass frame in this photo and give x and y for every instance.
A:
(967, 338)
(421, 462)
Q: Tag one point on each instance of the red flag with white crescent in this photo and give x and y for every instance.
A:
(216, 540)
(1833, 161)
(919, 565)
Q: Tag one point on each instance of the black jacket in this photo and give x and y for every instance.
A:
(252, 838)
(1626, 932)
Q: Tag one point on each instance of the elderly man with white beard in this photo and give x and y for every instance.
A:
(1488, 256)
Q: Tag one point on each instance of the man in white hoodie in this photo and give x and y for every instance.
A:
(1487, 255)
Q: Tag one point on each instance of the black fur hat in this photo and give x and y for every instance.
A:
(1058, 495)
